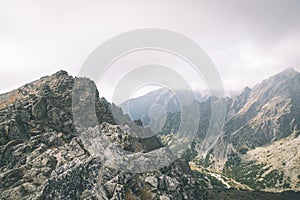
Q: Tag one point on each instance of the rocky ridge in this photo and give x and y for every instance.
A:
(42, 156)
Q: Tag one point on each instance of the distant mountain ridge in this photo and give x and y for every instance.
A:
(138, 108)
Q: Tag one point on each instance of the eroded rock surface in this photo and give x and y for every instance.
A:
(43, 155)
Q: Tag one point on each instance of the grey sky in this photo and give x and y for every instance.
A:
(247, 40)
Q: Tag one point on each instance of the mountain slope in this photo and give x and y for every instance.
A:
(270, 113)
(249, 151)
(256, 121)
(43, 157)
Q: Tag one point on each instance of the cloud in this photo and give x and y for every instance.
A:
(248, 62)
(247, 40)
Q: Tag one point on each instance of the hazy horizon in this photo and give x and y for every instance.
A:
(149, 89)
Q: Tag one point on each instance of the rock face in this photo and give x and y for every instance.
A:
(43, 157)
(270, 113)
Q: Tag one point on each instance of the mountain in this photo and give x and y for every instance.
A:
(139, 108)
(270, 113)
(259, 142)
(45, 156)
(266, 132)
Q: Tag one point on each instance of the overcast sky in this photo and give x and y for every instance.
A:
(247, 40)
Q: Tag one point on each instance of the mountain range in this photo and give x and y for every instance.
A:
(43, 156)
(259, 143)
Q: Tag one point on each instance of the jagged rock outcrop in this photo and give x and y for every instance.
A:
(42, 155)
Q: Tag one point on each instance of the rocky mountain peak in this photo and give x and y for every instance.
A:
(43, 157)
(61, 73)
(284, 78)
(289, 72)
(246, 90)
